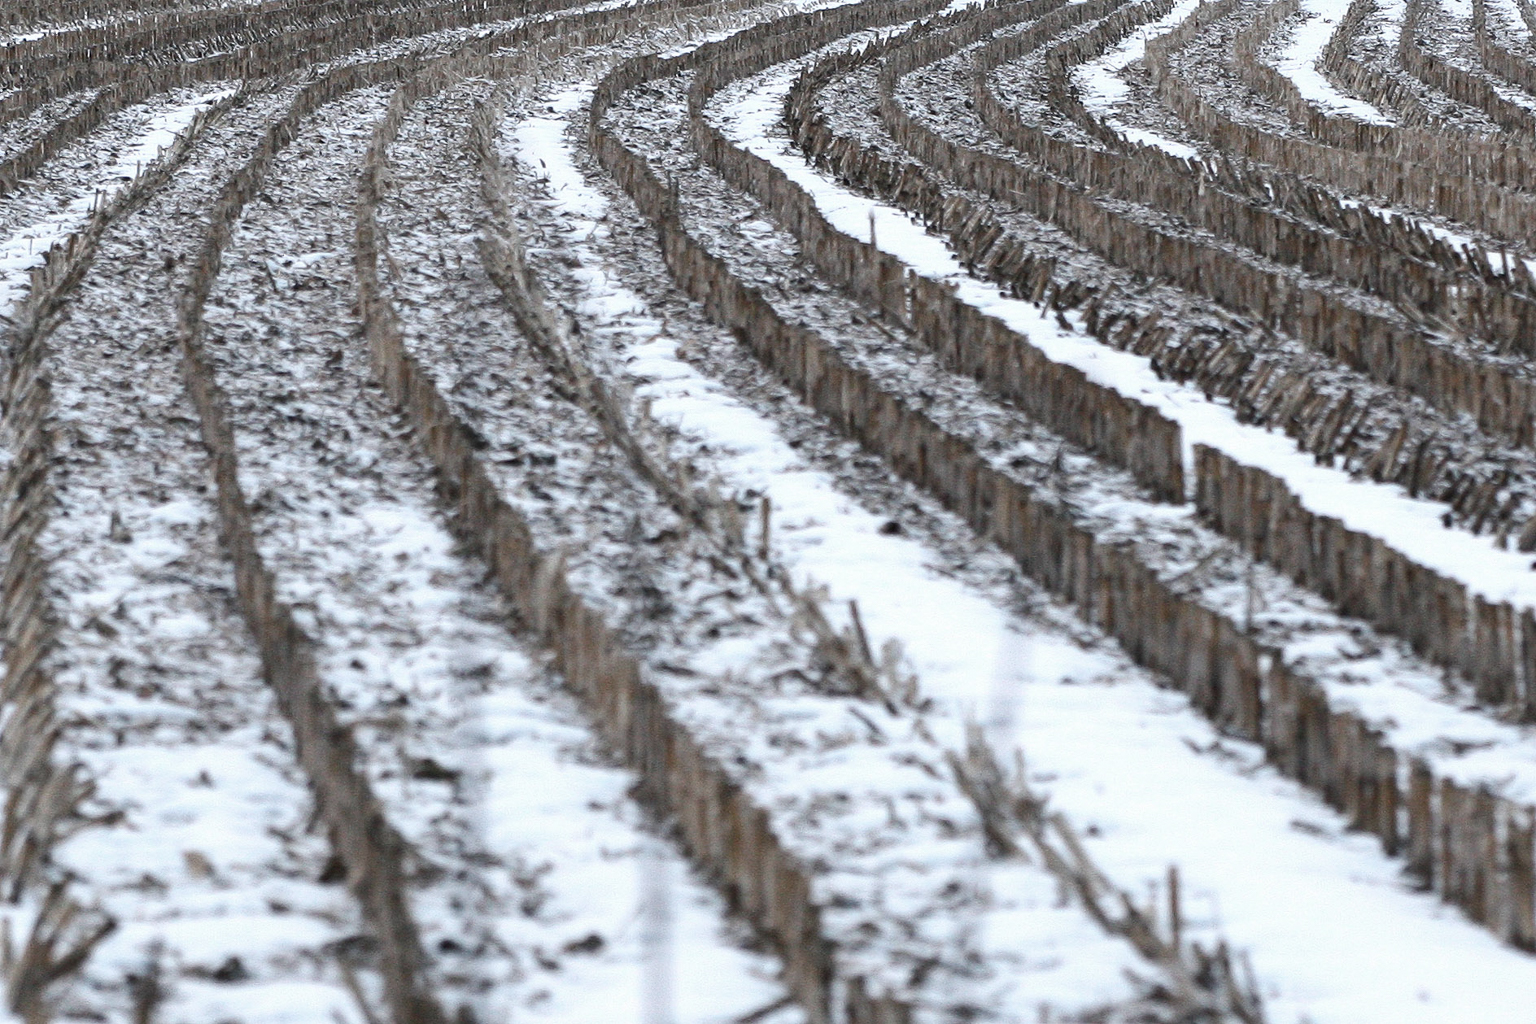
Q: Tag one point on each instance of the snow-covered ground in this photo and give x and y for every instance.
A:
(205, 854)
(1461, 12)
(1386, 24)
(49, 30)
(1411, 526)
(1047, 955)
(1298, 59)
(1099, 736)
(1102, 90)
(1498, 260)
(599, 908)
(210, 864)
(484, 769)
(1506, 15)
(26, 248)
(202, 853)
(1415, 715)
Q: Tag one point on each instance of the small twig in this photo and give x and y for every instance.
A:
(1175, 915)
(767, 521)
(859, 634)
(349, 979)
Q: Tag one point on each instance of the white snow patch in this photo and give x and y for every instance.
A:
(1411, 526)
(612, 904)
(25, 249)
(1102, 89)
(50, 30)
(1337, 936)
(1298, 59)
(1389, 21)
(1506, 14)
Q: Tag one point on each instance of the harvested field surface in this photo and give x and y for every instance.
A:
(768, 511)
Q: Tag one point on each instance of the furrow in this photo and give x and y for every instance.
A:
(994, 503)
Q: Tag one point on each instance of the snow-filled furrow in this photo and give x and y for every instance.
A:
(976, 655)
(1511, 93)
(108, 161)
(1453, 19)
(202, 854)
(1376, 47)
(33, 33)
(1205, 64)
(596, 914)
(1498, 257)
(29, 113)
(849, 109)
(844, 805)
(1411, 700)
(1298, 58)
(132, 980)
(1378, 38)
(1504, 17)
(538, 911)
(1385, 22)
(1409, 525)
(1103, 91)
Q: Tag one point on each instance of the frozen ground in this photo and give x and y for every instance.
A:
(26, 247)
(1102, 90)
(1297, 59)
(542, 887)
(1066, 706)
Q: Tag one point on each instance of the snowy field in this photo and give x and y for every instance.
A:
(622, 511)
